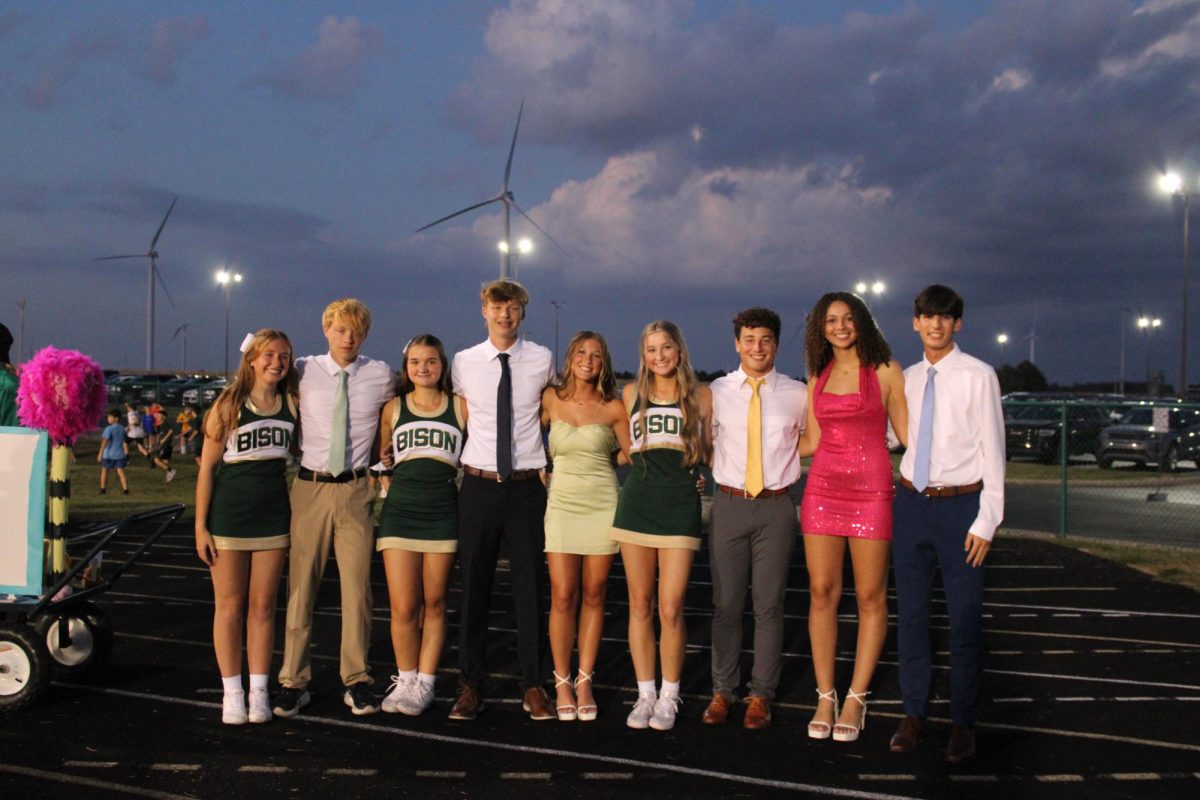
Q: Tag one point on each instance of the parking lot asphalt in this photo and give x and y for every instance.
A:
(1092, 684)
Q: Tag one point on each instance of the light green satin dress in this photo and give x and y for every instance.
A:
(583, 490)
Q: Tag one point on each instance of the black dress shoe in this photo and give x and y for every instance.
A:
(961, 746)
(904, 740)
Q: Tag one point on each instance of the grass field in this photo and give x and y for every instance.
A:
(148, 489)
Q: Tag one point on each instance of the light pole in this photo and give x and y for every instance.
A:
(1147, 324)
(1002, 339)
(227, 279)
(524, 247)
(1173, 185)
(21, 334)
(557, 305)
(1121, 374)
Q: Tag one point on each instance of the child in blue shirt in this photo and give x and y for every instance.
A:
(114, 451)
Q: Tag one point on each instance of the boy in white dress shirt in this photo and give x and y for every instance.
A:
(948, 505)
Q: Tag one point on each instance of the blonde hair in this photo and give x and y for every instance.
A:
(504, 291)
(606, 383)
(353, 312)
(695, 444)
(227, 407)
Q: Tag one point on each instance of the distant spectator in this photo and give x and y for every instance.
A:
(150, 426)
(134, 431)
(187, 430)
(166, 445)
(114, 452)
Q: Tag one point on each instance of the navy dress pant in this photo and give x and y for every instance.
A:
(929, 533)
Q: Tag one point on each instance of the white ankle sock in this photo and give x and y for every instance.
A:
(669, 689)
(258, 681)
(647, 687)
(232, 684)
(406, 675)
(425, 678)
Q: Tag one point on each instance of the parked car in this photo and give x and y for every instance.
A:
(1159, 436)
(204, 395)
(171, 392)
(132, 388)
(1036, 430)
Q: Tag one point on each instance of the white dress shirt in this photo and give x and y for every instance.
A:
(369, 385)
(968, 431)
(476, 376)
(784, 405)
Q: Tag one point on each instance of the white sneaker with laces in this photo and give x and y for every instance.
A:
(396, 694)
(170, 475)
(416, 700)
(665, 709)
(643, 709)
(260, 706)
(233, 708)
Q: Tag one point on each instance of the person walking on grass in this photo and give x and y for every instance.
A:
(114, 452)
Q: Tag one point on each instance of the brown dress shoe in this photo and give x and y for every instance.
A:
(469, 703)
(961, 746)
(717, 712)
(537, 703)
(758, 713)
(904, 740)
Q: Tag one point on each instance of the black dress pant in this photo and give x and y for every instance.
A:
(489, 512)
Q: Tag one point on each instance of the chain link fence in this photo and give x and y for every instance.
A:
(1125, 470)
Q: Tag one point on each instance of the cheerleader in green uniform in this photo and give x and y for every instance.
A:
(421, 433)
(243, 514)
(657, 522)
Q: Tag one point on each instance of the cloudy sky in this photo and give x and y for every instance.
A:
(691, 159)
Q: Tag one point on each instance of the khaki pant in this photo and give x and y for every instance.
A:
(325, 515)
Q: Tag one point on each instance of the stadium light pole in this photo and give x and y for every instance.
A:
(558, 304)
(226, 279)
(1173, 185)
(524, 248)
(1147, 324)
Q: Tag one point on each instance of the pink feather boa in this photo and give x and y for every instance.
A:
(61, 392)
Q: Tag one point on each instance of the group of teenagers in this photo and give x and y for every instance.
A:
(464, 439)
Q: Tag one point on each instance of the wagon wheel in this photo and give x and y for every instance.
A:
(88, 643)
(24, 666)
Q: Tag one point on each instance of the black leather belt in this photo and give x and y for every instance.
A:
(306, 474)
(733, 491)
(488, 475)
(944, 491)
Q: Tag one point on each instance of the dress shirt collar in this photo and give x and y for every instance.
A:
(492, 351)
(333, 368)
(947, 360)
(769, 380)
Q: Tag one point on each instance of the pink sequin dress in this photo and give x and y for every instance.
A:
(850, 487)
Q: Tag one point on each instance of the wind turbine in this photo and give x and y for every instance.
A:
(1032, 337)
(506, 199)
(182, 346)
(151, 254)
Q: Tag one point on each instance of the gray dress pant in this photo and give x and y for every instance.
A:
(750, 548)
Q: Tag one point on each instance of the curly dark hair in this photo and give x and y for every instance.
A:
(872, 348)
(757, 317)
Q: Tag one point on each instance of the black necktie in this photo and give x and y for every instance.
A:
(504, 465)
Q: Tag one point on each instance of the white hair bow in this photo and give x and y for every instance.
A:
(245, 345)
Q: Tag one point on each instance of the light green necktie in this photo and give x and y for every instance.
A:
(337, 433)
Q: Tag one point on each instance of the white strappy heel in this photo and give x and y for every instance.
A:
(821, 730)
(842, 732)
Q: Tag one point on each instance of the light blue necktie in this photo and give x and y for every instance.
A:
(340, 422)
(925, 435)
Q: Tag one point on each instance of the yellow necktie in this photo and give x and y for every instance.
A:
(754, 462)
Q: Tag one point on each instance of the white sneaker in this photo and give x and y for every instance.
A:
(260, 706)
(233, 708)
(643, 709)
(416, 700)
(170, 475)
(665, 709)
(396, 694)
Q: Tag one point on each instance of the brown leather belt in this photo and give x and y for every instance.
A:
(487, 475)
(306, 474)
(742, 493)
(944, 491)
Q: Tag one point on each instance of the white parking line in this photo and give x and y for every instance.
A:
(91, 764)
(524, 776)
(1059, 778)
(440, 773)
(78, 780)
(267, 769)
(344, 772)
(168, 767)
